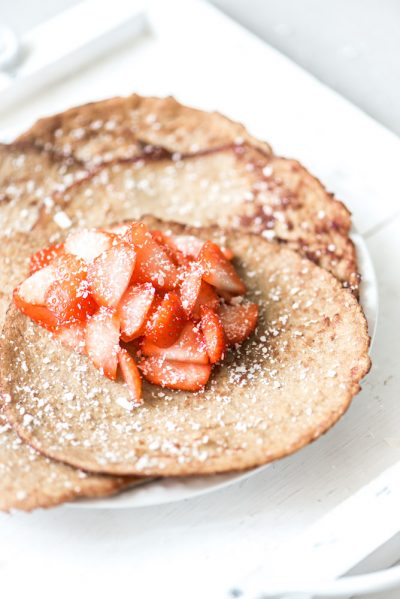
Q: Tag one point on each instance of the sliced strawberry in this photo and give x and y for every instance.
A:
(229, 255)
(68, 296)
(156, 266)
(134, 308)
(189, 347)
(73, 336)
(165, 241)
(44, 257)
(157, 301)
(218, 271)
(88, 243)
(165, 324)
(239, 321)
(131, 375)
(207, 297)
(39, 314)
(214, 335)
(102, 341)
(159, 236)
(33, 290)
(59, 290)
(190, 286)
(175, 375)
(137, 233)
(109, 274)
(69, 300)
(67, 266)
(153, 264)
(119, 230)
(188, 245)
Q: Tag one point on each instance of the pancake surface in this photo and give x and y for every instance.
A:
(236, 187)
(283, 388)
(28, 178)
(278, 199)
(127, 127)
(29, 480)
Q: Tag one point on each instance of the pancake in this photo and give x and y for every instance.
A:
(28, 178)
(29, 480)
(126, 127)
(228, 187)
(283, 388)
(279, 197)
(67, 157)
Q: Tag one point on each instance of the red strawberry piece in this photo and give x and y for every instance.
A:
(166, 322)
(190, 286)
(33, 290)
(207, 297)
(239, 321)
(44, 257)
(72, 336)
(158, 236)
(175, 375)
(88, 243)
(102, 341)
(119, 230)
(213, 333)
(218, 271)
(188, 245)
(67, 265)
(134, 308)
(153, 264)
(137, 233)
(39, 314)
(30, 296)
(165, 241)
(189, 347)
(68, 296)
(69, 300)
(109, 274)
(229, 255)
(131, 375)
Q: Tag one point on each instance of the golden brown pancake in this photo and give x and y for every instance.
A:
(272, 196)
(283, 388)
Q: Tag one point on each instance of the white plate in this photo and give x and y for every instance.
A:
(169, 490)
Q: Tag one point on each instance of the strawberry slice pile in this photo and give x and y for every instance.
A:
(165, 307)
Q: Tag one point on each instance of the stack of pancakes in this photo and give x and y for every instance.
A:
(64, 430)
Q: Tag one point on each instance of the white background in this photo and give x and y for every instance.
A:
(351, 45)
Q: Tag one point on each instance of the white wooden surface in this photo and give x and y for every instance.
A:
(200, 547)
(357, 54)
(352, 46)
